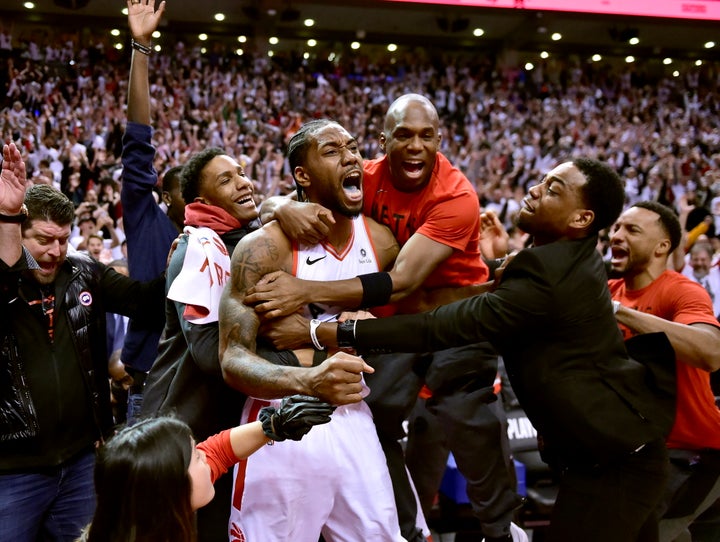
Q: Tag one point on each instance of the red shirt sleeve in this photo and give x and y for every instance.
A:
(219, 453)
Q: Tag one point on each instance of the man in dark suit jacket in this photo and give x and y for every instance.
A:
(600, 420)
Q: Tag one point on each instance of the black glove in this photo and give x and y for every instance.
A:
(295, 417)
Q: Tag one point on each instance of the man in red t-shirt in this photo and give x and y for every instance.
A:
(439, 220)
(434, 213)
(650, 298)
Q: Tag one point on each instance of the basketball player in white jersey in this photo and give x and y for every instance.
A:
(335, 481)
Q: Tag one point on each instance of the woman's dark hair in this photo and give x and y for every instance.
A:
(604, 192)
(190, 174)
(142, 485)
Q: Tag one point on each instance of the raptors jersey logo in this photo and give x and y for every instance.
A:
(236, 534)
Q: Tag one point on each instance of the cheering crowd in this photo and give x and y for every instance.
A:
(301, 190)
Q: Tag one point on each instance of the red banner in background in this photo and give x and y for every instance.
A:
(683, 9)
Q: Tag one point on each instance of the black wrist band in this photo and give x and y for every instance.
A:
(15, 219)
(346, 334)
(377, 289)
(144, 49)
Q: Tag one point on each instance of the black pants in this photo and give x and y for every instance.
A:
(426, 451)
(614, 502)
(462, 383)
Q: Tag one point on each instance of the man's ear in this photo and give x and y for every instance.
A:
(302, 179)
(662, 248)
(583, 219)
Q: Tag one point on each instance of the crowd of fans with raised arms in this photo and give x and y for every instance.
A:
(502, 126)
(76, 117)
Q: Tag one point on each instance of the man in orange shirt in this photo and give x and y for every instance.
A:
(649, 298)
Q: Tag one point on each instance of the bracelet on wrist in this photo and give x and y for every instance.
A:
(15, 219)
(144, 49)
(313, 334)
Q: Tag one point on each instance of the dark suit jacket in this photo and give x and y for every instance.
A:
(551, 319)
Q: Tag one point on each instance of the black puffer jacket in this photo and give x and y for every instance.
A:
(64, 380)
(18, 419)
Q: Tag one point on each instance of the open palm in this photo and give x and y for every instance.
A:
(13, 180)
(143, 19)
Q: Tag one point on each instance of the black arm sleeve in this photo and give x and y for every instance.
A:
(393, 334)
(144, 302)
(445, 327)
(523, 300)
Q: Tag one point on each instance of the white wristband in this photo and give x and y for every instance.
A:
(313, 334)
(616, 305)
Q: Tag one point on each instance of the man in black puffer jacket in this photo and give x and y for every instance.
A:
(54, 384)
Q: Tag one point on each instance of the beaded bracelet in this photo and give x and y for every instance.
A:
(144, 49)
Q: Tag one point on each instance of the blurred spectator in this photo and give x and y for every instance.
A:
(700, 269)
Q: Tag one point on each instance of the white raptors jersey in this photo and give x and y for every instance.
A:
(335, 480)
(322, 262)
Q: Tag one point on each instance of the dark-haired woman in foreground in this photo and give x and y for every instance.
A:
(151, 477)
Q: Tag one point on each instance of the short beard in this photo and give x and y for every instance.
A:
(350, 213)
(44, 280)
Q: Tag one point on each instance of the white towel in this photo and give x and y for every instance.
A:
(205, 271)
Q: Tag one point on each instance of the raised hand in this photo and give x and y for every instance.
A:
(143, 20)
(493, 236)
(13, 181)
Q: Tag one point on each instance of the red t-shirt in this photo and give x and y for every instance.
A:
(674, 297)
(446, 210)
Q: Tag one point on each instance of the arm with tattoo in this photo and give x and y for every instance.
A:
(255, 255)
(336, 380)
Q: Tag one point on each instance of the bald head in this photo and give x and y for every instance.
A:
(411, 140)
(398, 109)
